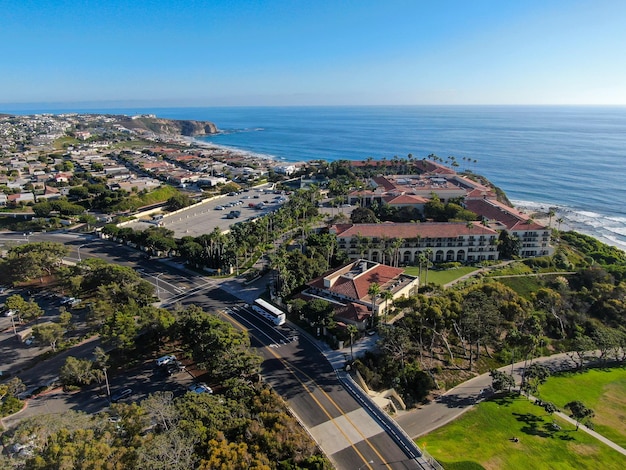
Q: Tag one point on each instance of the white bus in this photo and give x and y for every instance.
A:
(267, 310)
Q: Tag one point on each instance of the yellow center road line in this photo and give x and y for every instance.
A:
(293, 370)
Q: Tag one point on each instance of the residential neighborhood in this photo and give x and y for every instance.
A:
(208, 274)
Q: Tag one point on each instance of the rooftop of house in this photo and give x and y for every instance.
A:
(354, 279)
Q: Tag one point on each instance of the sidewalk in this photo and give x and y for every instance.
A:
(463, 397)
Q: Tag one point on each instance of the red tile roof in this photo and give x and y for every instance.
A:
(510, 217)
(355, 285)
(410, 230)
(406, 199)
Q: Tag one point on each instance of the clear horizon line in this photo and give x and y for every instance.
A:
(147, 104)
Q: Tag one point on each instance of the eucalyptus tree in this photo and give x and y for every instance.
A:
(477, 322)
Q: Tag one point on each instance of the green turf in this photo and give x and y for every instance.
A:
(481, 438)
(602, 390)
(440, 277)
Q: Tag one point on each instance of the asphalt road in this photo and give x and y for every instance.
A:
(351, 435)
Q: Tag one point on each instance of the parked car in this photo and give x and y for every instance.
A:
(174, 367)
(9, 313)
(200, 388)
(219, 208)
(67, 300)
(164, 360)
(121, 394)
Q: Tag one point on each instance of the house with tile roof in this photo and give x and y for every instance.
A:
(347, 288)
(403, 243)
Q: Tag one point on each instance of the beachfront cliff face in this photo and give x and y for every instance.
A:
(170, 126)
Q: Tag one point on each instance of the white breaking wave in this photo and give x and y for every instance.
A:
(608, 229)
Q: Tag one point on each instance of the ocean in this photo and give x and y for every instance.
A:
(571, 158)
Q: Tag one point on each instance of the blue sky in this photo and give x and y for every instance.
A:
(231, 53)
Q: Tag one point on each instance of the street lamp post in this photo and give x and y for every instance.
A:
(106, 380)
(78, 251)
(157, 285)
(366, 464)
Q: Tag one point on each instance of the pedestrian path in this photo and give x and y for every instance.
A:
(463, 397)
(584, 428)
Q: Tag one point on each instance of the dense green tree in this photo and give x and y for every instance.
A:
(216, 345)
(120, 328)
(579, 412)
(178, 201)
(26, 310)
(76, 372)
(50, 333)
(508, 245)
(501, 380)
(363, 215)
(534, 375)
(33, 260)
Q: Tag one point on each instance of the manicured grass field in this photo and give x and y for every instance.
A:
(440, 277)
(602, 390)
(482, 439)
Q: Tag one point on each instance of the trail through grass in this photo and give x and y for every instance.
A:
(602, 390)
(483, 438)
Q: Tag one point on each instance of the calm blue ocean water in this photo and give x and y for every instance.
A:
(572, 158)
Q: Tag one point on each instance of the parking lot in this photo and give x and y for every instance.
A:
(218, 212)
(142, 381)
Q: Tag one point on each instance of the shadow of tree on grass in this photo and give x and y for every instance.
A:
(537, 426)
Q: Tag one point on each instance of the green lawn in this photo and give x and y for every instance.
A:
(441, 277)
(524, 286)
(481, 439)
(602, 390)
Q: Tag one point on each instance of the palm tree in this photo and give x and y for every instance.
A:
(352, 330)
(373, 291)
(387, 295)
(551, 213)
(428, 253)
(559, 221)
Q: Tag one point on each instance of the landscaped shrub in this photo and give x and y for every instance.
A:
(9, 406)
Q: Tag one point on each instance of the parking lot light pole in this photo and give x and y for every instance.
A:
(106, 381)
(13, 324)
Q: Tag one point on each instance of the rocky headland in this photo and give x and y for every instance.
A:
(169, 126)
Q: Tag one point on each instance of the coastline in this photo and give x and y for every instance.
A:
(571, 219)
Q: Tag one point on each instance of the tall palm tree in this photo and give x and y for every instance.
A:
(551, 213)
(352, 330)
(428, 253)
(387, 295)
(559, 221)
(373, 291)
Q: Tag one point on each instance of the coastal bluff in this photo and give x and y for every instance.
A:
(168, 126)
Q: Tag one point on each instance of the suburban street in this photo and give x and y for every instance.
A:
(353, 436)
